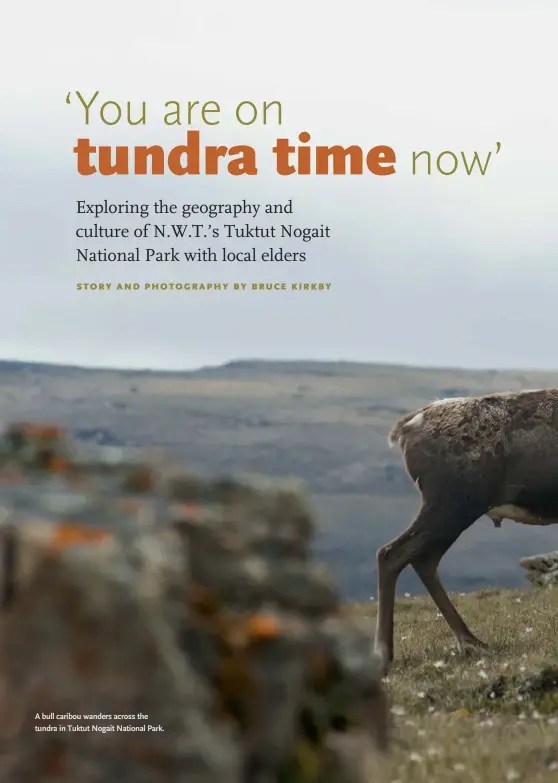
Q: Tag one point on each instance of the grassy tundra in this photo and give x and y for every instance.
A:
(485, 719)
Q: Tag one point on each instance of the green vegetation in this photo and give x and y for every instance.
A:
(487, 719)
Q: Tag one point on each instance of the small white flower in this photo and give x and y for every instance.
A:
(439, 665)
(552, 721)
(518, 600)
(512, 774)
(421, 694)
(407, 595)
(553, 766)
(528, 629)
(398, 710)
(483, 674)
(522, 668)
(416, 757)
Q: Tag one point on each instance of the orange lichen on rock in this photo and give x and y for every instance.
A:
(140, 480)
(58, 464)
(37, 430)
(205, 617)
(67, 535)
(263, 626)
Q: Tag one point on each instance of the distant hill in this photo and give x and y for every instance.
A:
(326, 422)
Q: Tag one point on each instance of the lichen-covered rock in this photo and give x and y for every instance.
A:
(159, 626)
(542, 570)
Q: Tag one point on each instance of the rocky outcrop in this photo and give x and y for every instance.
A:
(542, 570)
(159, 626)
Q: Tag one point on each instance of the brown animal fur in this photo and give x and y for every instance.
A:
(495, 455)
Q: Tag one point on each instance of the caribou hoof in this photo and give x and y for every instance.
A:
(471, 646)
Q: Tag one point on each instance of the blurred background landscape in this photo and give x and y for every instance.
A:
(324, 422)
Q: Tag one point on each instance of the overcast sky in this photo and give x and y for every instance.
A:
(459, 271)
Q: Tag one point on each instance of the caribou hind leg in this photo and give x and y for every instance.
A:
(434, 530)
(427, 569)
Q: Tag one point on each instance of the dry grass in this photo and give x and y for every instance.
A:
(486, 719)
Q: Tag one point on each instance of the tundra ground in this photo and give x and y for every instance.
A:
(484, 719)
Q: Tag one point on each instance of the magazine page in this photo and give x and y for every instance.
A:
(279, 392)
